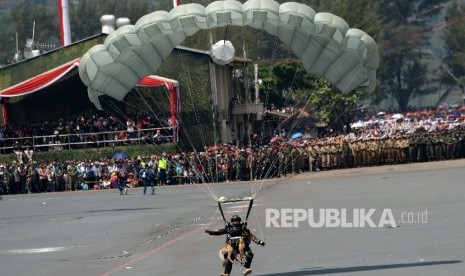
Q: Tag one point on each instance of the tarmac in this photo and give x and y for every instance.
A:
(416, 228)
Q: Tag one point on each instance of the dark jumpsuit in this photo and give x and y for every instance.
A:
(234, 232)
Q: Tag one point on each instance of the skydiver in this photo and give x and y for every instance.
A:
(234, 231)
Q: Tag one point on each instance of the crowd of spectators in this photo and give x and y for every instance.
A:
(81, 132)
(417, 136)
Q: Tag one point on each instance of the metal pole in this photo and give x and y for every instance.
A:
(255, 67)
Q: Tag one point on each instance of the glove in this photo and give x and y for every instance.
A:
(260, 242)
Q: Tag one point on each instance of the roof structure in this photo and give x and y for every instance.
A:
(54, 75)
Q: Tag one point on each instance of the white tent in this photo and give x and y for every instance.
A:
(398, 116)
(358, 124)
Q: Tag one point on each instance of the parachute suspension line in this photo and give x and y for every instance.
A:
(275, 48)
(288, 95)
(153, 102)
(210, 36)
(139, 94)
(244, 37)
(116, 110)
(291, 129)
(215, 114)
(192, 98)
(262, 236)
(215, 121)
(212, 218)
(196, 116)
(262, 171)
(330, 110)
(275, 160)
(205, 188)
(247, 98)
(226, 34)
(215, 111)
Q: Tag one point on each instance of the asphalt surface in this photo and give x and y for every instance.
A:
(103, 233)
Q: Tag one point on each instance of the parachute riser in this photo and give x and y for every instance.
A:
(248, 210)
(246, 217)
(222, 213)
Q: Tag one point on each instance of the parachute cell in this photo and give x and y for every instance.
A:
(324, 42)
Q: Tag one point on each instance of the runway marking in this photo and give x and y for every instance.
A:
(156, 250)
(150, 253)
(168, 243)
(38, 250)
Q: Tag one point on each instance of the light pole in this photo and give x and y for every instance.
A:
(257, 83)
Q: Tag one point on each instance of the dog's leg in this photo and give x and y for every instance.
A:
(223, 251)
(221, 255)
(242, 251)
(231, 254)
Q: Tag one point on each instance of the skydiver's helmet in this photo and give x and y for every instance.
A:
(236, 220)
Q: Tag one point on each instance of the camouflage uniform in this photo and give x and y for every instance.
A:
(412, 149)
(438, 147)
(240, 167)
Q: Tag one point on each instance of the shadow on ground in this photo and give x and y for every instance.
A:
(359, 268)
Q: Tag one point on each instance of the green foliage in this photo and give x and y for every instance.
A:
(361, 14)
(96, 153)
(317, 95)
(328, 104)
(289, 74)
(454, 38)
(403, 48)
(23, 18)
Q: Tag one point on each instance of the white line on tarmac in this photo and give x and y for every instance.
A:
(38, 250)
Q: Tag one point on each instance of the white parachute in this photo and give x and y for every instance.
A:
(326, 45)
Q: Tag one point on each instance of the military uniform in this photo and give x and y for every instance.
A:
(412, 149)
(234, 232)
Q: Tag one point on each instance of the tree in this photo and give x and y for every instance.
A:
(317, 95)
(22, 21)
(360, 14)
(8, 46)
(455, 48)
(403, 43)
(328, 104)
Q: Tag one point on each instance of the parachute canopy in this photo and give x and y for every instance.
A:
(326, 45)
(222, 52)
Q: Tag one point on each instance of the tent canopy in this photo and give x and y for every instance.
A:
(54, 75)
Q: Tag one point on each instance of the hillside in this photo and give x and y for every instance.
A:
(9, 4)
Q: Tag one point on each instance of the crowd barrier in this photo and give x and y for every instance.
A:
(86, 140)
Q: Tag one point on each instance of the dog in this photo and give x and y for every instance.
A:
(231, 254)
(228, 251)
(241, 248)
